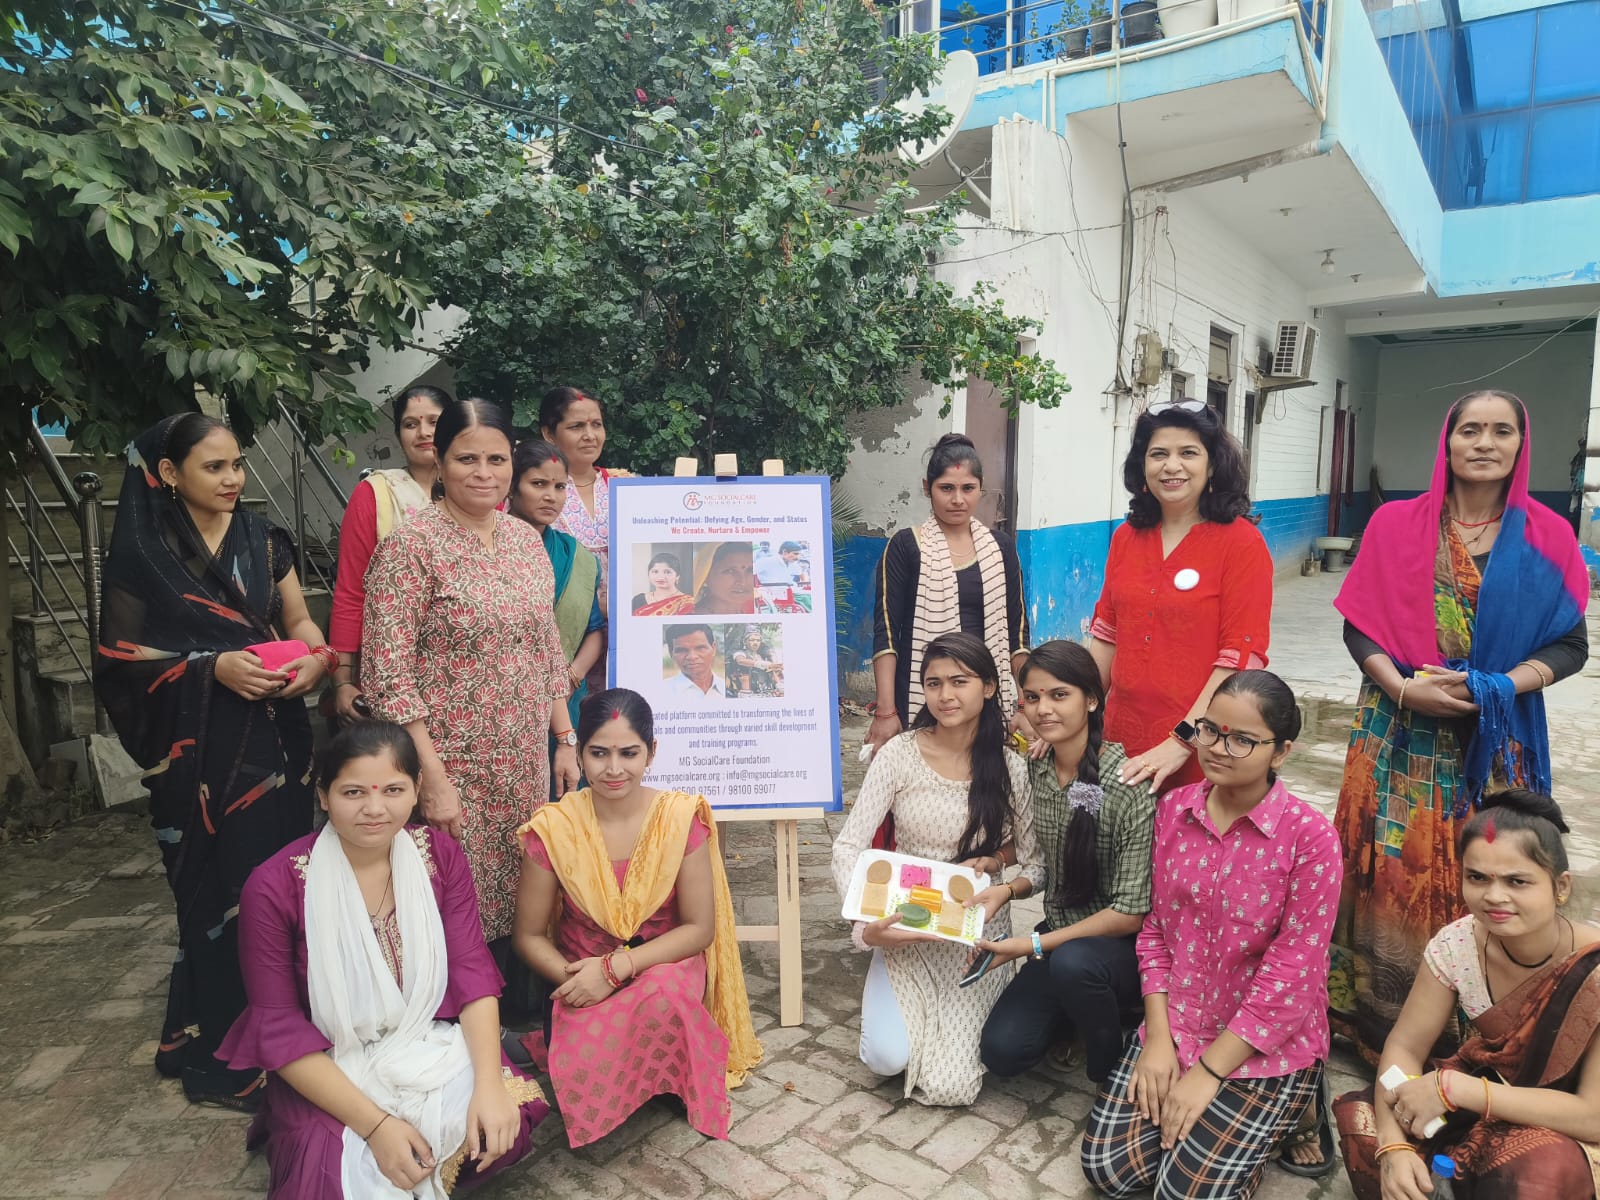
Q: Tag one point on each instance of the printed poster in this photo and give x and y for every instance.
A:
(722, 617)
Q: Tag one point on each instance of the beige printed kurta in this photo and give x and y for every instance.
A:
(944, 1021)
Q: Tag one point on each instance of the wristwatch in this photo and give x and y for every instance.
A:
(1184, 731)
(569, 738)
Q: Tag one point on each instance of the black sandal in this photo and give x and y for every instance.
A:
(1321, 1132)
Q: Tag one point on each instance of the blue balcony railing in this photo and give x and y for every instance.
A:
(1010, 35)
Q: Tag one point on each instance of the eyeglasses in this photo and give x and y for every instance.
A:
(1237, 745)
(1188, 404)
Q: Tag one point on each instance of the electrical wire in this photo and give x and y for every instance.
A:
(1573, 324)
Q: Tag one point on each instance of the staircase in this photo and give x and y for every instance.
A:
(60, 507)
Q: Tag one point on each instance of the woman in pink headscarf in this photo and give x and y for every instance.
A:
(1453, 661)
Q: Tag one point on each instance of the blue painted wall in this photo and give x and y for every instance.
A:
(1521, 247)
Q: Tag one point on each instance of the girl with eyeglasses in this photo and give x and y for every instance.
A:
(1233, 961)
(1187, 598)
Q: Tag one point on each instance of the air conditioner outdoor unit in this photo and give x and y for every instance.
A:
(1292, 348)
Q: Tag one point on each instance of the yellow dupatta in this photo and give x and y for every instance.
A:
(577, 851)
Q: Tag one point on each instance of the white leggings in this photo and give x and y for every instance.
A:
(885, 1043)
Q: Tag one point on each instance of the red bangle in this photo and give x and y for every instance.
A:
(878, 712)
(327, 656)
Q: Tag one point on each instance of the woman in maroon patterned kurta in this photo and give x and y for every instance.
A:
(459, 644)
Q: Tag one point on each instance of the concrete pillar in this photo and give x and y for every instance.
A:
(1588, 528)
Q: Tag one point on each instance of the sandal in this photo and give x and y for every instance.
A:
(1319, 1133)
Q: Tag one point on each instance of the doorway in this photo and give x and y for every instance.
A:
(993, 431)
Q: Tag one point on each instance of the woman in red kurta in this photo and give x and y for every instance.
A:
(1187, 599)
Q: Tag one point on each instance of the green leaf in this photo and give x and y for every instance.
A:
(119, 234)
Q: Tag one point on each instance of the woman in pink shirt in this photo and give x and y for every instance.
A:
(1233, 962)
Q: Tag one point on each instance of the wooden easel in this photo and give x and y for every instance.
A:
(785, 832)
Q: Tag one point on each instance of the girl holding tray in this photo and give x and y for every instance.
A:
(959, 795)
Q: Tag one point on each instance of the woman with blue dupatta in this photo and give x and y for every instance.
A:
(1453, 663)
(538, 493)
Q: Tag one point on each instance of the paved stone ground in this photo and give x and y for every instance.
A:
(85, 936)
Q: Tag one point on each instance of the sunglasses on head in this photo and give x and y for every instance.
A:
(1188, 404)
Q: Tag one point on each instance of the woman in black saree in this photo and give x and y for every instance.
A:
(192, 579)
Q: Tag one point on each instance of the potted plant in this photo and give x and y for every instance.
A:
(1100, 24)
(1139, 22)
(1181, 17)
(1072, 28)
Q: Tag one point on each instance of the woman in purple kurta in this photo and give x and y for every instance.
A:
(313, 1153)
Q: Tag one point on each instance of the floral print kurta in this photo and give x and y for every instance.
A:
(464, 638)
(944, 1022)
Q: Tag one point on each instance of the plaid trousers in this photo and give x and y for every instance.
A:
(1225, 1152)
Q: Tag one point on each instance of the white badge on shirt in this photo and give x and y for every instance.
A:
(1186, 580)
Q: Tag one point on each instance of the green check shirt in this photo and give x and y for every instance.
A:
(1123, 840)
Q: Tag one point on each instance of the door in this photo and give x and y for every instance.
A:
(994, 432)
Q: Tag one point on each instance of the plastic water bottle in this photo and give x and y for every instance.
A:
(1444, 1174)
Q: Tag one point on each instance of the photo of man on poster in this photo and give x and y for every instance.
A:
(693, 651)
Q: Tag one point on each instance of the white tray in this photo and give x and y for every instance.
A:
(896, 893)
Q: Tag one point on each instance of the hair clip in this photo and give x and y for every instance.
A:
(1087, 796)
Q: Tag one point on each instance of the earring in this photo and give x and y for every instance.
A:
(1145, 489)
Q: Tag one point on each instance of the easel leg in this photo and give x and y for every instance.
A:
(786, 839)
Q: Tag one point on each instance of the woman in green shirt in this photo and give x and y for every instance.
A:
(1095, 837)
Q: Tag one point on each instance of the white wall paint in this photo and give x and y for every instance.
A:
(1051, 251)
(1555, 383)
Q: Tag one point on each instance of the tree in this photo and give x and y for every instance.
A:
(174, 177)
(717, 237)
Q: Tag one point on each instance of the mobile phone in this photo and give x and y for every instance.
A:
(985, 961)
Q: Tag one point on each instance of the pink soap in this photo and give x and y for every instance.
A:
(912, 875)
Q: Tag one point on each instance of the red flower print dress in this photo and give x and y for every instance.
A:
(464, 639)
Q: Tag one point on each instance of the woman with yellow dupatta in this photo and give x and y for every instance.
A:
(624, 907)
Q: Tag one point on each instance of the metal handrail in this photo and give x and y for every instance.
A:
(81, 497)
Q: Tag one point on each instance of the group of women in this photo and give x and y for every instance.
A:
(1263, 928)
(468, 622)
(346, 985)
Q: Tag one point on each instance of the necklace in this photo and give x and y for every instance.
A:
(1478, 524)
(1534, 966)
(374, 915)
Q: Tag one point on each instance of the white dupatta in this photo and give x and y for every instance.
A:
(385, 1038)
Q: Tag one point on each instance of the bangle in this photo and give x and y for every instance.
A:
(1438, 1086)
(346, 683)
(328, 657)
(1487, 1105)
(611, 976)
(1012, 889)
(631, 970)
(1539, 669)
(1206, 1067)
(1400, 700)
(1038, 946)
(1391, 1148)
(378, 1126)
(878, 712)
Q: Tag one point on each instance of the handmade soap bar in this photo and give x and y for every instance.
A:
(952, 918)
(929, 898)
(912, 875)
(875, 899)
(960, 888)
(880, 871)
(914, 916)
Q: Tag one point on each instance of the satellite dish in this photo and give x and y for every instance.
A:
(954, 90)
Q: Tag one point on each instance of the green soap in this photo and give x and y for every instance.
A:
(914, 915)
